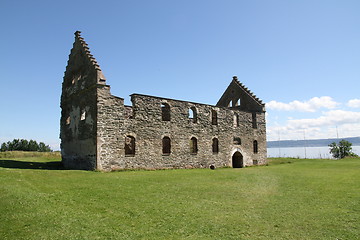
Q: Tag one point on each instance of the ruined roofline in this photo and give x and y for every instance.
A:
(251, 94)
(171, 99)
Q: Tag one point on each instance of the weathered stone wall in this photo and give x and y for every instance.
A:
(110, 121)
(148, 129)
(78, 130)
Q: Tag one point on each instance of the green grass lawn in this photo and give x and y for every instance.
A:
(289, 199)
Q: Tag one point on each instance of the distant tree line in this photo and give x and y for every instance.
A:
(24, 145)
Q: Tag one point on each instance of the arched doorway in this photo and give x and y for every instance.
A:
(237, 160)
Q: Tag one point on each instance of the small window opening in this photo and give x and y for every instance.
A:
(214, 117)
(166, 145)
(193, 145)
(193, 114)
(255, 162)
(129, 146)
(236, 120)
(215, 145)
(68, 120)
(165, 112)
(255, 145)
(254, 122)
(237, 140)
(238, 103)
(83, 115)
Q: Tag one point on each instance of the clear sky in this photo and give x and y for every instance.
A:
(302, 58)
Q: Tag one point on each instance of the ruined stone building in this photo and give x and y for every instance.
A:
(98, 131)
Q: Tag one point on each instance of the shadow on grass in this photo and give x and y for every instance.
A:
(31, 165)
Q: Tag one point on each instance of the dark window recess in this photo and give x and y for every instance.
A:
(166, 145)
(237, 140)
(215, 145)
(129, 145)
(255, 145)
(193, 145)
(254, 122)
(214, 120)
(165, 112)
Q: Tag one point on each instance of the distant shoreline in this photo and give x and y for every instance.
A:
(311, 142)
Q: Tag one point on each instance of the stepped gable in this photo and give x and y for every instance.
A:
(86, 50)
(246, 90)
(82, 64)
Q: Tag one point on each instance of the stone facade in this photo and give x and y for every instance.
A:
(98, 131)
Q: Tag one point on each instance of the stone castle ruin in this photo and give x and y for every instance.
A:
(99, 132)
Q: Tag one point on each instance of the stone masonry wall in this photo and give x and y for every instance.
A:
(148, 129)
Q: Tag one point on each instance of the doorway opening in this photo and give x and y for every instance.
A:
(237, 160)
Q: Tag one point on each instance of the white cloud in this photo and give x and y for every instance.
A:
(354, 103)
(345, 123)
(312, 105)
(330, 118)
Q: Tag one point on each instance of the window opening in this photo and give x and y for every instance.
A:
(166, 145)
(129, 145)
(165, 112)
(68, 120)
(83, 115)
(237, 140)
(254, 122)
(193, 145)
(255, 145)
(213, 117)
(193, 114)
(215, 145)
(255, 162)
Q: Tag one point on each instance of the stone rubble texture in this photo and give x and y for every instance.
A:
(94, 125)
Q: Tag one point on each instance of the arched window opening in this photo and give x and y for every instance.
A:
(214, 117)
(254, 122)
(129, 146)
(255, 145)
(165, 112)
(237, 141)
(193, 114)
(215, 145)
(166, 146)
(83, 115)
(236, 120)
(236, 102)
(68, 120)
(193, 145)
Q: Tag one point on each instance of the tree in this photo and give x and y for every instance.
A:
(3, 147)
(341, 150)
(24, 145)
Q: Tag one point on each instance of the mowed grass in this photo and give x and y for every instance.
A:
(289, 199)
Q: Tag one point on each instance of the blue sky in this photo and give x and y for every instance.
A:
(302, 58)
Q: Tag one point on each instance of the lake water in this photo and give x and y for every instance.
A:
(308, 152)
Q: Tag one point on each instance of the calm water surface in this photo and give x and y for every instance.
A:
(308, 152)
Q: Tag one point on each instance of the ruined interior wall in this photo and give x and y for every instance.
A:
(78, 130)
(148, 129)
(109, 126)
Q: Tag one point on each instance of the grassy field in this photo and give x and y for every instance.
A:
(289, 199)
